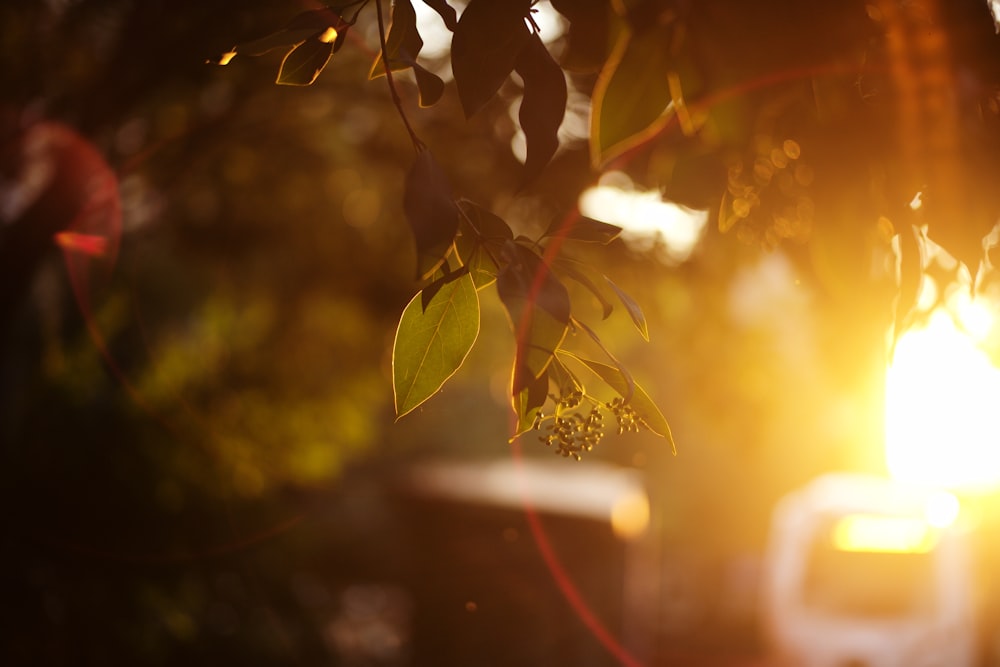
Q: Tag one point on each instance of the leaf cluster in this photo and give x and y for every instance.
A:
(463, 248)
(792, 121)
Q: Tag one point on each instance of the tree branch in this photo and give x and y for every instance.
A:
(417, 143)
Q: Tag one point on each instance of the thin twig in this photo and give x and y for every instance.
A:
(417, 144)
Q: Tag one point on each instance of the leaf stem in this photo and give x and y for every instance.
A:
(418, 145)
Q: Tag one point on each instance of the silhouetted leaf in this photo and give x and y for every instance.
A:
(430, 85)
(431, 212)
(403, 42)
(305, 26)
(587, 38)
(446, 12)
(483, 237)
(539, 308)
(327, 16)
(303, 64)
(639, 399)
(576, 271)
(631, 100)
(582, 228)
(486, 224)
(432, 342)
(634, 311)
(488, 38)
(543, 106)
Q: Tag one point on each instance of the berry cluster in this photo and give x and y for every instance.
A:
(573, 432)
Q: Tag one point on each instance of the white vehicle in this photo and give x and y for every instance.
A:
(864, 572)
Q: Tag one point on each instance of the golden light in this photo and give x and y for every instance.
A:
(941, 396)
(942, 509)
(630, 515)
(882, 533)
(647, 220)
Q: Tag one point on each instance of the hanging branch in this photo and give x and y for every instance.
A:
(418, 145)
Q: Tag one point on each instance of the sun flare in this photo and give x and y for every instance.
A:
(942, 391)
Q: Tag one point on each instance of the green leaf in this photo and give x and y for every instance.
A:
(488, 38)
(633, 308)
(564, 379)
(432, 343)
(429, 291)
(631, 100)
(528, 401)
(582, 228)
(446, 12)
(539, 309)
(639, 400)
(303, 63)
(431, 212)
(543, 105)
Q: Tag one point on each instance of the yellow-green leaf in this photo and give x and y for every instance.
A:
(432, 343)
(631, 100)
(640, 400)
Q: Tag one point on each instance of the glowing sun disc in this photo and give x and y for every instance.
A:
(940, 412)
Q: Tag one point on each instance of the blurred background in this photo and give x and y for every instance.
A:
(200, 459)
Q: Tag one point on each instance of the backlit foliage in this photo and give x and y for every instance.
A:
(791, 121)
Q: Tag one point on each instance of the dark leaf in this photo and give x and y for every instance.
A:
(487, 225)
(588, 36)
(403, 42)
(573, 270)
(301, 28)
(582, 228)
(634, 311)
(543, 105)
(631, 100)
(303, 64)
(431, 212)
(432, 342)
(430, 86)
(488, 38)
(402, 45)
(539, 309)
(329, 16)
(446, 11)
(484, 235)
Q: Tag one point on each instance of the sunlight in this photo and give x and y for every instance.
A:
(647, 220)
(882, 533)
(941, 394)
